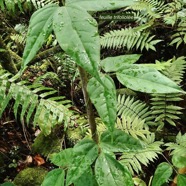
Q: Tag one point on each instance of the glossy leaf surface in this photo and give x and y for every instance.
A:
(145, 79)
(162, 174)
(109, 171)
(99, 5)
(77, 34)
(86, 179)
(85, 153)
(55, 177)
(63, 158)
(103, 96)
(119, 141)
(40, 28)
(181, 180)
(113, 64)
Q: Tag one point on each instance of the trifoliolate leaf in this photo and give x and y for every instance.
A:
(118, 141)
(39, 30)
(103, 96)
(99, 5)
(162, 174)
(112, 64)
(109, 171)
(145, 79)
(55, 177)
(77, 34)
(181, 180)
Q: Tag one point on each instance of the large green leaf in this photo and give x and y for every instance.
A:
(55, 177)
(77, 34)
(103, 96)
(162, 174)
(181, 180)
(63, 158)
(86, 147)
(178, 160)
(145, 79)
(112, 64)
(86, 179)
(118, 141)
(39, 30)
(85, 153)
(100, 5)
(109, 171)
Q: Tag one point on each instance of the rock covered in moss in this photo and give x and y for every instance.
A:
(30, 177)
(49, 144)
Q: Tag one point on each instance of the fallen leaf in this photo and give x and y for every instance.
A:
(39, 160)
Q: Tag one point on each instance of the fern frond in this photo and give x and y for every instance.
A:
(10, 6)
(176, 70)
(129, 107)
(66, 67)
(134, 160)
(179, 147)
(148, 8)
(130, 38)
(34, 101)
(180, 36)
(170, 12)
(41, 3)
(135, 127)
(163, 108)
(164, 105)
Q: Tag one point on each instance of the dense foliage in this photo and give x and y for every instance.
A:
(106, 95)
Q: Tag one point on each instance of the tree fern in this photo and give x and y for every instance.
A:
(137, 37)
(164, 105)
(129, 107)
(135, 160)
(36, 101)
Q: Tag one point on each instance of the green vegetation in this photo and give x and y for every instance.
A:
(106, 102)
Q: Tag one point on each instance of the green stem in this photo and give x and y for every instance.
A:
(90, 112)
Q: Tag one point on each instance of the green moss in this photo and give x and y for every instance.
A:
(46, 145)
(73, 136)
(30, 177)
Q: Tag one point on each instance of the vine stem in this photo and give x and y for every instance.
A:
(89, 108)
